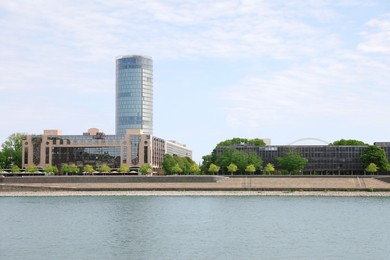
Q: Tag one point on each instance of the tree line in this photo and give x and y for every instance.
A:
(230, 161)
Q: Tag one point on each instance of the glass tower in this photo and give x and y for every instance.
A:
(134, 94)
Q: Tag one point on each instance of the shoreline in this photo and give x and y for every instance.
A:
(193, 193)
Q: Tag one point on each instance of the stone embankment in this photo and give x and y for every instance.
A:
(195, 183)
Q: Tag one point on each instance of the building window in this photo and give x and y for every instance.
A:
(145, 154)
(25, 155)
(47, 161)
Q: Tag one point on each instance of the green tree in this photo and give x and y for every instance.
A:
(73, 168)
(31, 168)
(250, 169)
(168, 163)
(291, 162)
(242, 141)
(371, 168)
(69, 168)
(232, 168)
(255, 160)
(12, 151)
(376, 155)
(123, 169)
(187, 164)
(15, 169)
(64, 168)
(145, 169)
(214, 168)
(239, 158)
(269, 169)
(206, 161)
(176, 169)
(194, 169)
(348, 142)
(2, 160)
(104, 168)
(88, 169)
(51, 169)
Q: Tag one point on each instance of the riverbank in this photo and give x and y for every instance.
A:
(196, 186)
(193, 193)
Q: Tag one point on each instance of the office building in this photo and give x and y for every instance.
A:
(322, 159)
(133, 144)
(134, 94)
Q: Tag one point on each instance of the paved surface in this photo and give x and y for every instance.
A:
(228, 184)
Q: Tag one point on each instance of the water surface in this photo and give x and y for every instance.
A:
(194, 228)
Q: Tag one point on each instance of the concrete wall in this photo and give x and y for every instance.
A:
(111, 179)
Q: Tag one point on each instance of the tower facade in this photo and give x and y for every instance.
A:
(134, 94)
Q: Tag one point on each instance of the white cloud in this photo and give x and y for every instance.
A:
(347, 86)
(377, 36)
(292, 57)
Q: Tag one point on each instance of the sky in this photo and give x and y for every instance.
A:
(281, 70)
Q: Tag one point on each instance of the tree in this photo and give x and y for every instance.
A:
(73, 168)
(291, 162)
(104, 168)
(2, 160)
(88, 169)
(239, 158)
(12, 151)
(168, 163)
(214, 168)
(176, 169)
(269, 169)
(343, 142)
(32, 168)
(145, 169)
(194, 169)
(242, 141)
(15, 169)
(51, 169)
(123, 169)
(207, 160)
(250, 169)
(376, 155)
(65, 168)
(371, 168)
(69, 168)
(232, 168)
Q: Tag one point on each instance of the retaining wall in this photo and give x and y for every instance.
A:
(111, 179)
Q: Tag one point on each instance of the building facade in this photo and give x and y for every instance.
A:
(95, 148)
(322, 159)
(134, 94)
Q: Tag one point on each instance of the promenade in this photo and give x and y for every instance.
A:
(285, 183)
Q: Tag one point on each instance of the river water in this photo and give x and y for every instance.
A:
(194, 227)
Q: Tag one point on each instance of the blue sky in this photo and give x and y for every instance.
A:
(282, 70)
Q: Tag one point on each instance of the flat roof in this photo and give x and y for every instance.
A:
(132, 56)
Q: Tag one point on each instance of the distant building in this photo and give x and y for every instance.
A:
(175, 148)
(133, 144)
(134, 94)
(322, 159)
(95, 148)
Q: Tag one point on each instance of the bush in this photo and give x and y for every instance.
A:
(51, 169)
(32, 168)
(15, 169)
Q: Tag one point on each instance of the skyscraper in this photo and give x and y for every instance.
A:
(134, 112)
(134, 94)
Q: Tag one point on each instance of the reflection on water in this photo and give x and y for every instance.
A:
(194, 228)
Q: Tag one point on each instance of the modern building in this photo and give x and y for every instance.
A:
(133, 144)
(134, 94)
(322, 159)
(95, 148)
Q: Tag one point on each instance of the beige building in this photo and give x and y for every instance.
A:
(95, 148)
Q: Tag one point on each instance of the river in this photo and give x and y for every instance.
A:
(192, 227)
